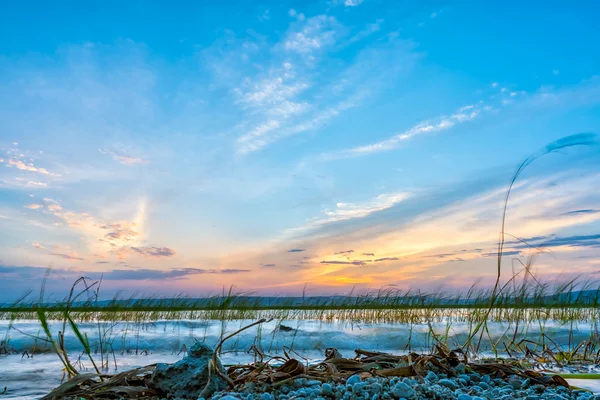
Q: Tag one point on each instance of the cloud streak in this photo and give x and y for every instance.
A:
(29, 272)
(348, 211)
(155, 252)
(442, 123)
(123, 158)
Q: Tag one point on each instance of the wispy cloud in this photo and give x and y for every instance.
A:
(367, 31)
(28, 272)
(464, 114)
(123, 158)
(345, 252)
(67, 256)
(26, 167)
(337, 262)
(285, 98)
(122, 238)
(352, 3)
(37, 184)
(150, 274)
(348, 211)
(34, 206)
(154, 251)
(346, 3)
(314, 35)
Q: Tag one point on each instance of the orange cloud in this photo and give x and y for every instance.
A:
(26, 167)
(123, 158)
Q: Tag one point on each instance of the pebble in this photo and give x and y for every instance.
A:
(401, 389)
(352, 380)
(450, 384)
(326, 389)
(431, 376)
(466, 386)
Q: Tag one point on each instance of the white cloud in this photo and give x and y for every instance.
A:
(347, 211)
(369, 30)
(273, 91)
(123, 158)
(286, 97)
(37, 184)
(252, 140)
(316, 34)
(352, 3)
(464, 114)
(346, 3)
(26, 167)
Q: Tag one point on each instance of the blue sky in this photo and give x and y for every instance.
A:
(187, 146)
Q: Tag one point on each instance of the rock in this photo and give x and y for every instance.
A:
(401, 389)
(352, 380)
(300, 382)
(460, 369)
(326, 389)
(358, 387)
(187, 378)
(515, 383)
(464, 396)
(431, 376)
(375, 388)
(450, 384)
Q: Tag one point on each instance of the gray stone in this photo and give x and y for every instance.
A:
(515, 383)
(401, 389)
(375, 388)
(460, 369)
(187, 378)
(352, 380)
(450, 384)
(358, 387)
(327, 389)
(431, 376)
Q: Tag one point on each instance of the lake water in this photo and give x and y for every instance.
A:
(136, 345)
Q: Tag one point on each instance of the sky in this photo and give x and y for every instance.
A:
(295, 146)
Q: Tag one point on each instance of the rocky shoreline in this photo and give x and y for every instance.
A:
(369, 376)
(468, 386)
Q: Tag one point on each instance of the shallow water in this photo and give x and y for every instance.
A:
(161, 341)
